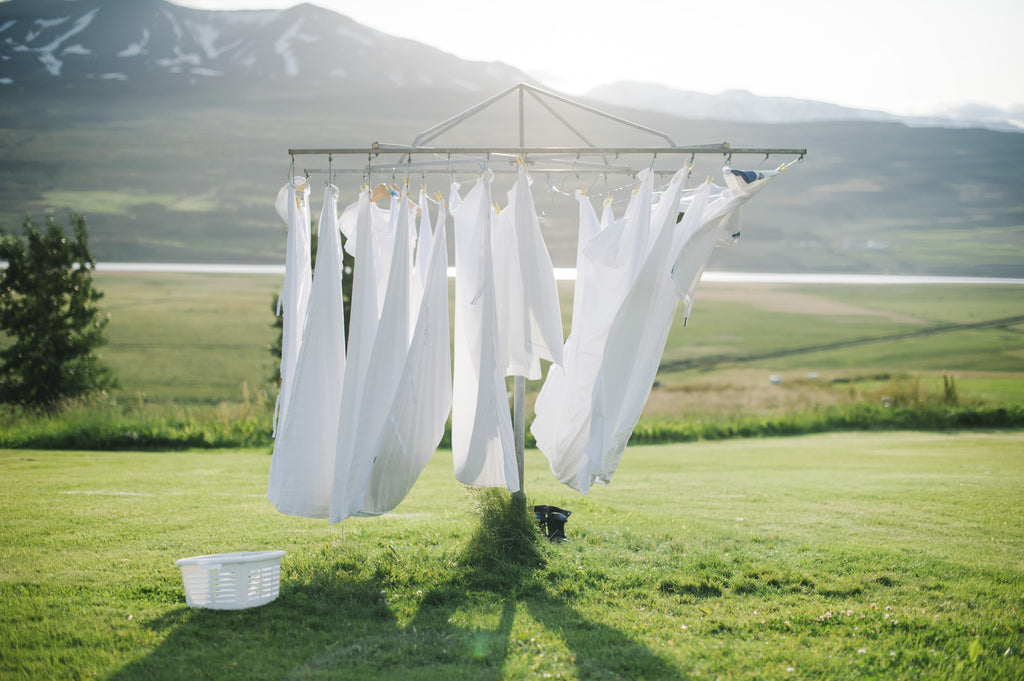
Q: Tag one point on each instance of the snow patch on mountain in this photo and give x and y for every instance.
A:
(743, 106)
(52, 64)
(136, 49)
(50, 23)
(46, 56)
(180, 58)
(206, 36)
(285, 48)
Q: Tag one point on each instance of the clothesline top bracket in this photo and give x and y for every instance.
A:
(554, 156)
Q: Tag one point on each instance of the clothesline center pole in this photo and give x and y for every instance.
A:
(519, 436)
(519, 382)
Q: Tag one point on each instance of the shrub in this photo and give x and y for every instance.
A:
(48, 307)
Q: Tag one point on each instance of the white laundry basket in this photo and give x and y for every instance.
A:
(231, 581)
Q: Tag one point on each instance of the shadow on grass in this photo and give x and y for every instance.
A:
(331, 621)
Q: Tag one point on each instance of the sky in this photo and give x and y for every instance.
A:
(902, 56)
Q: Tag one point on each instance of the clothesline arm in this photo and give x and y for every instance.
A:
(378, 149)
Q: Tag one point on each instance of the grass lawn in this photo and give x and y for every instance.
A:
(847, 556)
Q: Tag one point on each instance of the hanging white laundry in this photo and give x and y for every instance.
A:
(636, 341)
(367, 405)
(423, 400)
(505, 261)
(720, 225)
(383, 221)
(607, 260)
(529, 316)
(347, 224)
(362, 330)
(623, 245)
(293, 206)
(483, 451)
(454, 200)
(425, 239)
(705, 224)
(562, 421)
(302, 467)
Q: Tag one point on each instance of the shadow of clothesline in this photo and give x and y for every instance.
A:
(333, 622)
(594, 650)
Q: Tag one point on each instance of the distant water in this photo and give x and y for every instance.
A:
(569, 274)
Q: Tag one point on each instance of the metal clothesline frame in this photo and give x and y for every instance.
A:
(567, 159)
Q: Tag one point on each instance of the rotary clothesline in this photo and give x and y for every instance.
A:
(355, 428)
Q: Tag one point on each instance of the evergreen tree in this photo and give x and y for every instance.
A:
(48, 312)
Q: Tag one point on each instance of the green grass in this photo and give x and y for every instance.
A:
(203, 338)
(851, 556)
(740, 321)
(122, 204)
(191, 354)
(190, 338)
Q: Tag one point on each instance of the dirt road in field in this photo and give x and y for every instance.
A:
(715, 360)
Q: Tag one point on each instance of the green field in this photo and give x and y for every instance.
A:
(853, 556)
(192, 355)
(202, 339)
(189, 338)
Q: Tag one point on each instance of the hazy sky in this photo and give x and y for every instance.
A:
(903, 56)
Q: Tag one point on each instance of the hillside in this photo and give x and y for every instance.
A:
(179, 156)
(746, 107)
(154, 44)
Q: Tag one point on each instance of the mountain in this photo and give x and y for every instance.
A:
(169, 128)
(740, 105)
(72, 43)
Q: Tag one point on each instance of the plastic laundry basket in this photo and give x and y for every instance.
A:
(231, 581)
